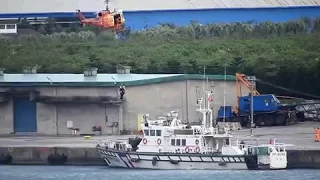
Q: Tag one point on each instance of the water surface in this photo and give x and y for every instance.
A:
(105, 173)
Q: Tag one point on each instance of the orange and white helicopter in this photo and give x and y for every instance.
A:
(105, 19)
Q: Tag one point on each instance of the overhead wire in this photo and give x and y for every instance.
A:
(288, 90)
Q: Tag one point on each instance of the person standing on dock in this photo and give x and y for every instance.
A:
(122, 91)
(316, 134)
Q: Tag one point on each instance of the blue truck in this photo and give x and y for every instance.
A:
(267, 110)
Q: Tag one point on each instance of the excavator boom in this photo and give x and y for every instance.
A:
(244, 80)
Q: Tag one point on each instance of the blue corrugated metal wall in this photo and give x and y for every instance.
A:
(24, 115)
(140, 19)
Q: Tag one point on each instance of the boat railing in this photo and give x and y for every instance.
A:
(176, 150)
(117, 145)
(209, 150)
(183, 149)
(102, 143)
(277, 145)
(106, 143)
(282, 144)
(255, 149)
(215, 131)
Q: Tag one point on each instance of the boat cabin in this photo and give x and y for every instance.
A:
(165, 137)
(267, 149)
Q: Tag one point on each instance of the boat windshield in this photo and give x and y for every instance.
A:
(263, 150)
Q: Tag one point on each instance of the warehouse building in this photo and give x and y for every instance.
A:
(142, 13)
(57, 103)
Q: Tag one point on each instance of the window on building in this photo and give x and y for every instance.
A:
(146, 132)
(178, 142)
(173, 142)
(158, 133)
(11, 26)
(2, 26)
(152, 133)
(184, 142)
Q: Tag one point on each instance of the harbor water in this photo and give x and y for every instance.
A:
(105, 173)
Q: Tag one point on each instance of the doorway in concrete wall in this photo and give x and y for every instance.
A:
(111, 113)
(24, 113)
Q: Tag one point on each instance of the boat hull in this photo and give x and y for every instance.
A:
(175, 161)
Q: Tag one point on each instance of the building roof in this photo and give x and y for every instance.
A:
(49, 6)
(207, 4)
(99, 80)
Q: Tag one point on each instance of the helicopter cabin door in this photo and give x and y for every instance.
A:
(108, 21)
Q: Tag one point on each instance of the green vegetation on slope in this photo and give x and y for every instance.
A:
(280, 53)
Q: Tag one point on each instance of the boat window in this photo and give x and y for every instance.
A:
(11, 26)
(178, 142)
(173, 142)
(152, 133)
(146, 132)
(183, 142)
(158, 133)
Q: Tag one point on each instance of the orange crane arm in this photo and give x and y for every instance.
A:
(242, 79)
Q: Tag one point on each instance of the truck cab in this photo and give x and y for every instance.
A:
(261, 103)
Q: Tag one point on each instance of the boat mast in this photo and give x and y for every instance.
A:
(224, 94)
(213, 107)
(206, 102)
(204, 113)
(203, 86)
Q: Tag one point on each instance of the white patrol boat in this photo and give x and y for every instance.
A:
(167, 144)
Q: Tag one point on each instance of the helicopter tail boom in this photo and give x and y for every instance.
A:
(80, 15)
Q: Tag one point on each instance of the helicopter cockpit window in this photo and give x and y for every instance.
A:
(116, 17)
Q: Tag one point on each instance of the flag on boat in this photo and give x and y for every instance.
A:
(210, 99)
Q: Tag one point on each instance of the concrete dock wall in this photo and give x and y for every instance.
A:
(89, 156)
(39, 155)
(304, 159)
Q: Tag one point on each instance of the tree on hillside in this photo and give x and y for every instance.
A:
(282, 53)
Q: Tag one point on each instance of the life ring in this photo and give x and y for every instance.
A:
(159, 141)
(187, 150)
(144, 141)
(197, 150)
(197, 141)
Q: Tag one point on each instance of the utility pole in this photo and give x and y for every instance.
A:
(252, 79)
